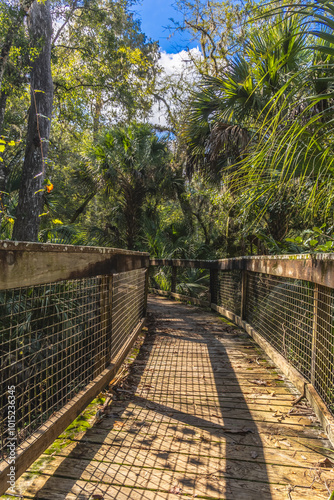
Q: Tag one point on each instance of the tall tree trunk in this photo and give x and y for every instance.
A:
(3, 102)
(41, 90)
(3, 172)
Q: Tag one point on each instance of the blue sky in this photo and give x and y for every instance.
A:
(154, 16)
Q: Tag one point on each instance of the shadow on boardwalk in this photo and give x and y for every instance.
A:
(198, 417)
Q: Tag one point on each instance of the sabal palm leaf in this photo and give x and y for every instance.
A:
(299, 142)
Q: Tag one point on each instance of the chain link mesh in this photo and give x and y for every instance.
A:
(56, 338)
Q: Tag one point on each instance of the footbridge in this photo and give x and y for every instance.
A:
(185, 378)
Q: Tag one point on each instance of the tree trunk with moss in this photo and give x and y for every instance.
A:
(39, 122)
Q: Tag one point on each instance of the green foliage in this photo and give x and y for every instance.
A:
(313, 240)
(101, 57)
(258, 129)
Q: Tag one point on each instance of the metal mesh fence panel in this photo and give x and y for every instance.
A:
(56, 338)
(294, 316)
(127, 306)
(322, 373)
(281, 310)
(193, 282)
(160, 278)
(229, 290)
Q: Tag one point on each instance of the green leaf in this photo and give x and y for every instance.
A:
(299, 239)
(323, 35)
(317, 230)
(312, 243)
(43, 116)
(331, 496)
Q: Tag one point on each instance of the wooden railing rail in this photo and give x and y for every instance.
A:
(68, 317)
(286, 303)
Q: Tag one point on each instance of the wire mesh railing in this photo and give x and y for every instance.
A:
(229, 290)
(58, 338)
(53, 344)
(287, 300)
(193, 283)
(281, 310)
(127, 307)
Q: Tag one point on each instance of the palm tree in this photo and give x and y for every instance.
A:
(264, 126)
(134, 164)
(298, 142)
(229, 110)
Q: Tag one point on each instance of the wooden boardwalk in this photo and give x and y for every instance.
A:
(203, 414)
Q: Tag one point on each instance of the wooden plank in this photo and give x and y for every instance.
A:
(27, 264)
(32, 447)
(185, 263)
(178, 296)
(218, 414)
(322, 412)
(250, 398)
(165, 443)
(200, 484)
(289, 371)
(166, 453)
(125, 433)
(32, 247)
(316, 269)
(55, 488)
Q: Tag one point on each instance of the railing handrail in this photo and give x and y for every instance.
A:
(70, 314)
(27, 264)
(261, 285)
(316, 268)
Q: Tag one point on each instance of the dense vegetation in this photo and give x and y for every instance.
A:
(243, 163)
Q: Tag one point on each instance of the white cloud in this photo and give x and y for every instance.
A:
(179, 73)
(176, 63)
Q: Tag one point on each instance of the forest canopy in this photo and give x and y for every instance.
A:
(242, 163)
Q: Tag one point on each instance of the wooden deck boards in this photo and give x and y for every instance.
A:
(203, 414)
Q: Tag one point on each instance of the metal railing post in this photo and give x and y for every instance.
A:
(243, 294)
(147, 278)
(174, 279)
(214, 286)
(109, 320)
(314, 332)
